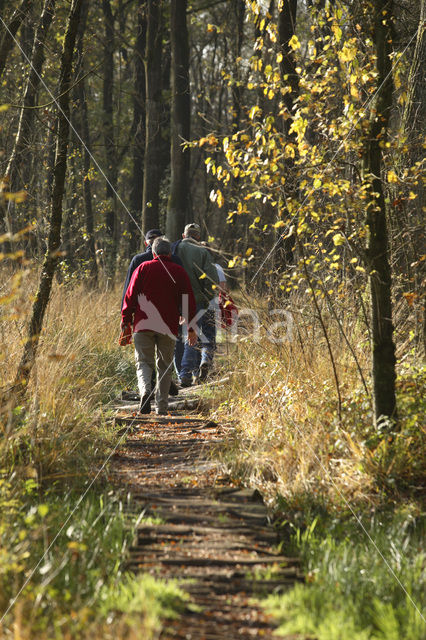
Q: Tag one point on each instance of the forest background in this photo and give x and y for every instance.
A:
(292, 132)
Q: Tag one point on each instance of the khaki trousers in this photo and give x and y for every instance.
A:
(154, 350)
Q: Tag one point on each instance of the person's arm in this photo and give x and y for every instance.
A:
(137, 260)
(211, 275)
(133, 265)
(130, 297)
(188, 311)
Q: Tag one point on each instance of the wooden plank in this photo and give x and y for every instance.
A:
(211, 562)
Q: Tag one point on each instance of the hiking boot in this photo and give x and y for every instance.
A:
(185, 382)
(204, 369)
(145, 405)
(173, 391)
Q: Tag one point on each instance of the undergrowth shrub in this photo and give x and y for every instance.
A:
(362, 582)
(61, 566)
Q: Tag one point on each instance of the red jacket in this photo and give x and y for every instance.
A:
(158, 293)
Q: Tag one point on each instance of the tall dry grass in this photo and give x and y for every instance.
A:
(79, 369)
(301, 432)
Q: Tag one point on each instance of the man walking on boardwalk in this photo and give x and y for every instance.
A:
(202, 273)
(158, 293)
(139, 259)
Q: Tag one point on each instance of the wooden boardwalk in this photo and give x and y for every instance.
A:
(215, 538)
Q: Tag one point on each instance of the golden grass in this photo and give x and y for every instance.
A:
(283, 402)
(79, 367)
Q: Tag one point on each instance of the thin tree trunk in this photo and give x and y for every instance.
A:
(109, 137)
(139, 97)
(26, 32)
(286, 30)
(53, 244)
(383, 348)
(10, 31)
(85, 150)
(70, 225)
(153, 143)
(18, 167)
(178, 205)
(414, 119)
(236, 88)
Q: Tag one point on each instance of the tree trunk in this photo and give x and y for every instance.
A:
(178, 205)
(236, 88)
(153, 146)
(53, 244)
(85, 145)
(26, 33)
(110, 149)
(70, 224)
(136, 189)
(286, 30)
(413, 121)
(19, 165)
(383, 348)
(10, 31)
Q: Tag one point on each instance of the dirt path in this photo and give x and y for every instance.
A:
(204, 531)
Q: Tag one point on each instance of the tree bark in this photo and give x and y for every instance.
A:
(286, 30)
(178, 205)
(26, 33)
(85, 146)
(109, 138)
(236, 87)
(153, 143)
(383, 348)
(10, 31)
(413, 122)
(53, 244)
(136, 189)
(19, 165)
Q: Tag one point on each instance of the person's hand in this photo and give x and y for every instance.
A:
(125, 335)
(192, 338)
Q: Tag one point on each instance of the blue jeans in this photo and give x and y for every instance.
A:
(179, 349)
(193, 357)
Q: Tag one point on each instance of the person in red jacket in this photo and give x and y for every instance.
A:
(154, 301)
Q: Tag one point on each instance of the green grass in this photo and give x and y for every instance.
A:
(62, 558)
(358, 586)
(143, 595)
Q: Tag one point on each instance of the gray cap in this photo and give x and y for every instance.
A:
(192, 226)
